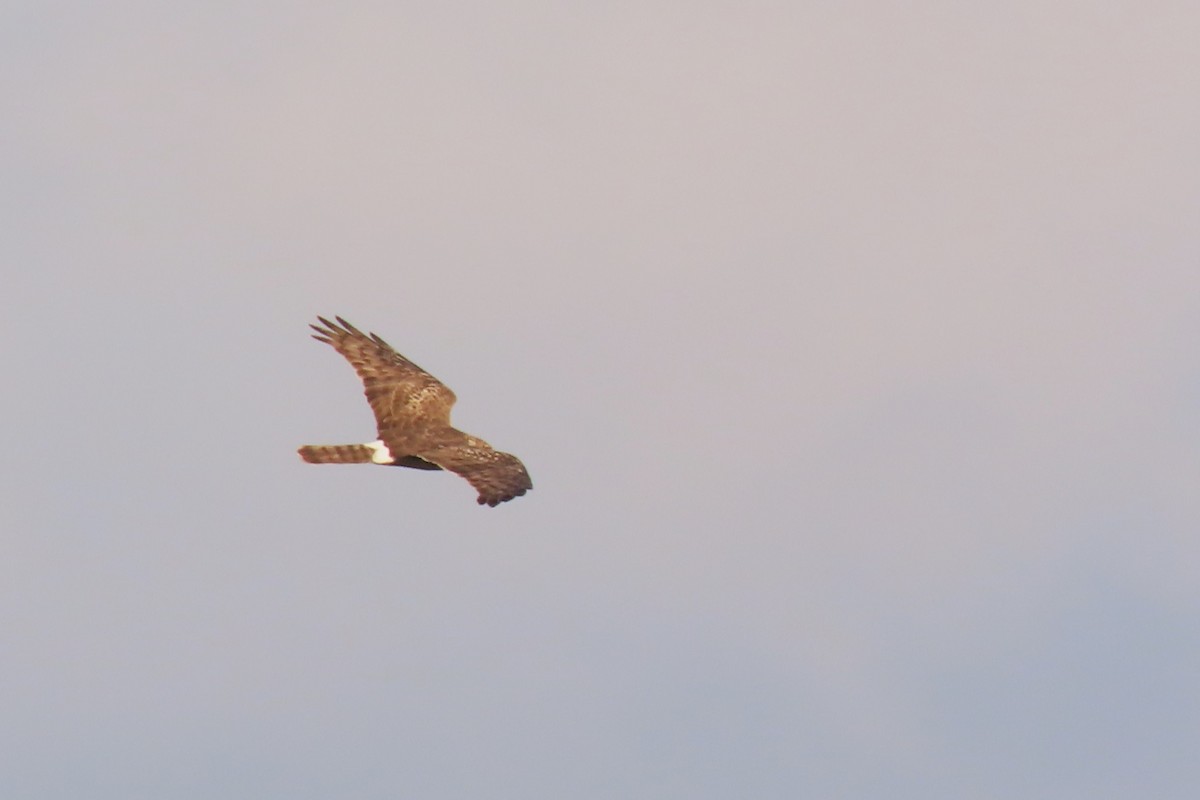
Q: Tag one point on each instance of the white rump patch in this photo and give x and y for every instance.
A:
(379, 452)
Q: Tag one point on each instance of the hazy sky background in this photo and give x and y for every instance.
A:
(852, 347)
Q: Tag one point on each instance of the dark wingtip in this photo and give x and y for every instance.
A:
(348, 328)
(333, 330)
(492, 502)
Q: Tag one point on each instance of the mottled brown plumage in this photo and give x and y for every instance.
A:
(412, 415)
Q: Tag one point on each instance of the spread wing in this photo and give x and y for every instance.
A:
(403, 396)
(495, 475)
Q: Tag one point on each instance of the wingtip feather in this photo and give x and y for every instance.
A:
(346, 326)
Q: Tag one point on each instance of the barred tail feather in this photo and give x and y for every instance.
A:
(336, 453)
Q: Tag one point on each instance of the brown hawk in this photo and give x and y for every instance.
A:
(412, 412)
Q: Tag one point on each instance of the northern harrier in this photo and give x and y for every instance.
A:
(412, 412)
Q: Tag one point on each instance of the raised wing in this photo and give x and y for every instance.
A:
(403, 396)
(495, 475)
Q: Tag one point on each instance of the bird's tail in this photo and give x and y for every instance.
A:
(336, 453)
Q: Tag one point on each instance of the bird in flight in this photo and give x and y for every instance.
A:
(412, 413)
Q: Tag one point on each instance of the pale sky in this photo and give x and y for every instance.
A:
(854, 349)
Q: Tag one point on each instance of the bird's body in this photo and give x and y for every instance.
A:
(412, 414)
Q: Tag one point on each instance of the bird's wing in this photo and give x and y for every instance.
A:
(495, 475)
(402, 395)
